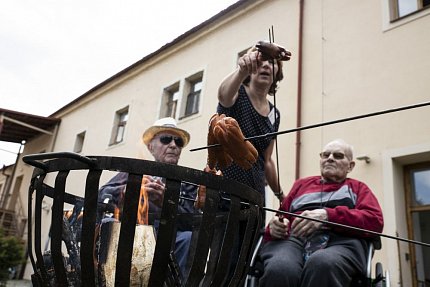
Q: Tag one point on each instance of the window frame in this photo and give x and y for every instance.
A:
(190, 92)
(119, 126)
(410, 209)
(79, 142)
(168, 98)
(395, 10)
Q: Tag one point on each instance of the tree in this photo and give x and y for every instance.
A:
(11, 254)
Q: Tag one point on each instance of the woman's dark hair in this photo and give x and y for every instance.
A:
(278, 77)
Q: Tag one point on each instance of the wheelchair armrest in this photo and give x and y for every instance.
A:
(370, 251)
(256, 250)
(374, 244)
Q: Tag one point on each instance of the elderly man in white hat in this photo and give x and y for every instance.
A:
(164, 141)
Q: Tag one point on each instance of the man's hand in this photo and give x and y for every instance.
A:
(304, 227)
(155, 189)
(278, 227)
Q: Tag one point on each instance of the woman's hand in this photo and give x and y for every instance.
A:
(249, 63)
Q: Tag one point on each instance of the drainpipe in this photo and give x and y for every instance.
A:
(299, 90)
(8, 186)
(3, 196)
(54, 139)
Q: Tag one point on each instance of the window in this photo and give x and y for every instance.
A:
(170, 101)
(194, 86)
(79, 142)
(118, 132)
(400, 8)
(417, 180)
(182, 99)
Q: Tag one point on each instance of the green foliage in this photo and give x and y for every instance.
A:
(11, 254)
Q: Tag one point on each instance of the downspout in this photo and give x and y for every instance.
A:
(299, 90)
(3, 195)
(8, 187)
(54, 139)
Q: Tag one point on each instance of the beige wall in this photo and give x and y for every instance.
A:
(362, 67)
(354, 62)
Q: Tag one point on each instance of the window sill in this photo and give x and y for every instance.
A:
(114, 145)
(389, 25)
(186, 118)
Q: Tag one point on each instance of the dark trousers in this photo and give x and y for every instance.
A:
(335, 265)
(182, 247)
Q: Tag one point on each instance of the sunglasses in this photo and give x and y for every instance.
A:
(168, 139)
(336, 155)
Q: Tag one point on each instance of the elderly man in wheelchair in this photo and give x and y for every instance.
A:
(302, 252)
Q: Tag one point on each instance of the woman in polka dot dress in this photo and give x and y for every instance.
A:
(243, 96)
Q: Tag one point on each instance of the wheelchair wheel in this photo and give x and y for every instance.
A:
(379, 275)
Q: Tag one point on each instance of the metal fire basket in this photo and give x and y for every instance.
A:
(215, 237)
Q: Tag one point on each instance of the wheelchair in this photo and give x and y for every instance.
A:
(379, 280)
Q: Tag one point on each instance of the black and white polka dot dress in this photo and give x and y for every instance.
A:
(251, 124)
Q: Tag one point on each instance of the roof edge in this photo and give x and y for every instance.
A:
(163, 48)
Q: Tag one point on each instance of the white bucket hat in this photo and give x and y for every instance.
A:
(165, 125)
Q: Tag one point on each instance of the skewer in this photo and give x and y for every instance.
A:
(329, 223)
(326, 123)
(419, 105)
(277, 193)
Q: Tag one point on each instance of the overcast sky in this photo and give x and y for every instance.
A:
(53, 51)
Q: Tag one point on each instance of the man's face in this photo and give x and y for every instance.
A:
(166, 147)
(335, 162)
